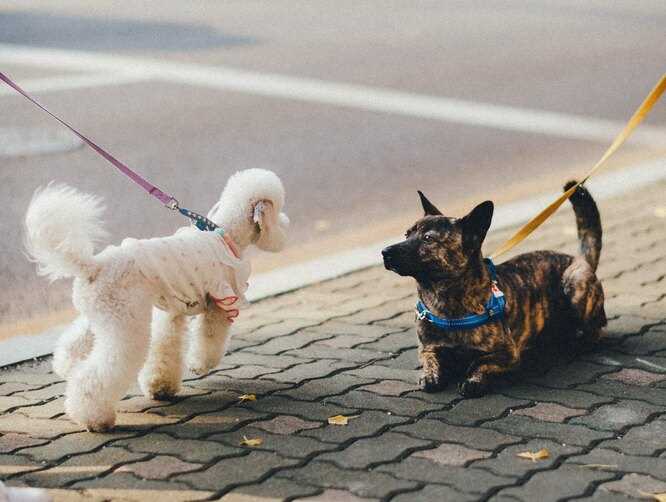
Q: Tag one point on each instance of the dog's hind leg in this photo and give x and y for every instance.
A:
(73, 346)
(121, 327)
(162, 374)
(208, 340)
(586, 297)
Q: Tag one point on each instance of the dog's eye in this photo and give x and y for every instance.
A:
(429, 237)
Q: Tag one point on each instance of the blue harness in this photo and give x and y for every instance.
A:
(494, 309)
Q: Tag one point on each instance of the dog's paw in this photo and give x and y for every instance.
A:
(93, 416)
(472, 388)
(431, 383)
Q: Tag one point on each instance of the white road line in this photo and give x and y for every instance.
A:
(70, 82)
(339, 94)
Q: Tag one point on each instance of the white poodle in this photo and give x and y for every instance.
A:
(191, 272)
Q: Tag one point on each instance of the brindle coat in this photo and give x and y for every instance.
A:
(549, 295)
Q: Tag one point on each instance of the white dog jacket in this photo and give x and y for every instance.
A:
(189, 267)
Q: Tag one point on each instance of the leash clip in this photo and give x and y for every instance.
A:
(421, 315)
(173, 204)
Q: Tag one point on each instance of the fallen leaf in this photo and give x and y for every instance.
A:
(340, 419)
(247, 397)
(251, 441)
(601, 467)
(542, 454)
(659, 497)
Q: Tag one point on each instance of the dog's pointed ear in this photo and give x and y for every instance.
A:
(428, 207)
(477, 222)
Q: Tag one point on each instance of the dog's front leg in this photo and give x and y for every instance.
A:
(208, 340)
(431, 378)
(487, 367)
(162, 373)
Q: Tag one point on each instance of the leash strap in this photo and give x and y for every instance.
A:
(494, 309)
(538, 220)
(163, 197)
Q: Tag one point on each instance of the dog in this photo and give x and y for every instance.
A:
(534, 297)
(125, 292)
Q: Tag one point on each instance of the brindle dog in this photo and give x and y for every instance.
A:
(549, 295)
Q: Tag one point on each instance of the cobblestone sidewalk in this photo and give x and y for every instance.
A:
(347, 347)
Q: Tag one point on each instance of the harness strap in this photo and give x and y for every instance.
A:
(494, 309)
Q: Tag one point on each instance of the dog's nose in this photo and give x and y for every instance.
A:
(386, 253)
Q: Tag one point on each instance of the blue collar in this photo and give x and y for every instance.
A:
(494, 309)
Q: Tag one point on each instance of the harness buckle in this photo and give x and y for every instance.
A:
(421, 315)
(173, 204)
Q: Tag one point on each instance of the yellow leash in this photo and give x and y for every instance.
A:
(636, 119)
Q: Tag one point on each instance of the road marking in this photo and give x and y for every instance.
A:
(338, 94)
(70, 82)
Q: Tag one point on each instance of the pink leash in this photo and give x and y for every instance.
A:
(168, 200)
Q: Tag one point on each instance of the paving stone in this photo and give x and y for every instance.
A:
(565, 397)
(575, 373)
(393, 343)
(472, 437)
(81, 467)
(271, 489)
(316, 390)
(14, 387)
(435, 492)
(207, 424)
(377, 372)
(9, 403)
(307, 371)
(615, 389)
(196, 405)
(286, 424)
(614, 361)
(633, 484)
(249, 358)
(448, 396)
(508, 463)
(561, 484)
(550, 412)
(12, 441)
(15, 464)
(648, 343)
(451, 454)
(614, 461)
(367, 452)
(320, 351)
(473, 411)
(238, 386)
(563, 433)
(616, 417)
(275, 330)
(189, 450)
(389, 387)
(78, 442)
(337, 495)
(462, 479)
(285, 445)
(372, 484)
(407, 360)
(249, 371)
(367, 423)
(312, 411)
(403, 406)
(129, 495)
(36, 427)
(642, 440)
(249, 468)
(126, 486)
(631, 376)
(626, 324)
(160, 467)
(290, 342)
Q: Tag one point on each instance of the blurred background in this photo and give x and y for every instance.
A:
(356, 105)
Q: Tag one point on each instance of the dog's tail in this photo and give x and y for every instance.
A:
(62, 226)
(588, 222)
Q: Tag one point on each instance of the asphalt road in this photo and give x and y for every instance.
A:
(351, 156)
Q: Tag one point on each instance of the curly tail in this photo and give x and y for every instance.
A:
(588, 222)
(62, 226)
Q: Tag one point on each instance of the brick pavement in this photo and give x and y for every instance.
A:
(347, 346)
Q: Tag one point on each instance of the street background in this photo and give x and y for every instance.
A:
(351, 171)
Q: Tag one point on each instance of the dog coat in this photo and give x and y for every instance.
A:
(189, 267)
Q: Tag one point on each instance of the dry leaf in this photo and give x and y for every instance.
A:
(340, 419)
(542, 454)
(247, 397)
(659, 497)
(601, 467)
(251, 441)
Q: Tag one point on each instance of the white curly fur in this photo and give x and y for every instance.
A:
(104, 349)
